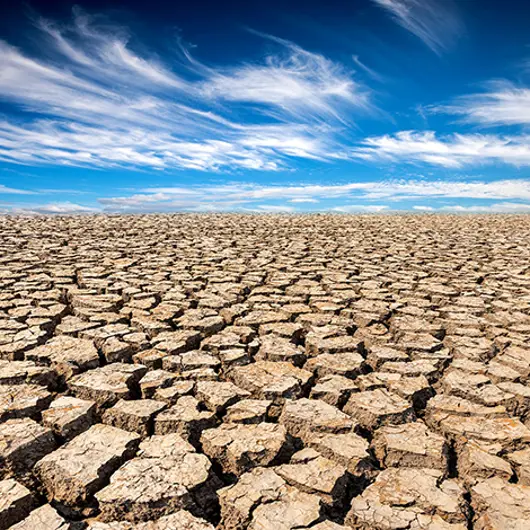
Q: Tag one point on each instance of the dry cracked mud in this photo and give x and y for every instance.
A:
(274, 372)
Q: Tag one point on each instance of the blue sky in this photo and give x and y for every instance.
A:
(366, 106)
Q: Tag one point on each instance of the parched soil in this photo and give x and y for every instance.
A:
(274, 372)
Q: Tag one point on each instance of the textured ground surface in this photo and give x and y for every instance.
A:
(265, 372)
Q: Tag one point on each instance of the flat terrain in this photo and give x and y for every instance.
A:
(182, 372)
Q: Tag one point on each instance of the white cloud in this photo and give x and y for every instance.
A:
(90, 146)
(371, 72)
(299, 83)
(369, 196)
(453, 151)
(104, 49)
(273, 208)
(501, 207)
(14, 191)
(240, 196)
(251, 192)
(56, 208)
(435, 22)
(405, 189)
(304, 199)
(99, 103)
(369, 190)
(137, 200)
(367, 208)
(503, 104)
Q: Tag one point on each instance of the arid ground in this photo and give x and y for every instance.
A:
(182, 372)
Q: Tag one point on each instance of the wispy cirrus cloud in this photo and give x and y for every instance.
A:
(274, 208)
(54, 208)
(297, 82)
(103, 49)
(246, 196)
(502, 103)
(496, 189)
(75, 144)
(94, 101)
(451, 151)
(302, 200)
(499, 207)
(361, 208)
(15, 191)
(370, 71)
(368, 196)
(435, 22)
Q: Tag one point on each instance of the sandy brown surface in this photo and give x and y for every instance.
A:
(172, 372)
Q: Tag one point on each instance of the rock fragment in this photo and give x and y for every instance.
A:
(75, 471)
(520, 461)
(271, 380)
(411, 445)
(217, 396)
(69, 416)
(134, 416)
(276, 348)
(22, 443)
(68, 356)
(349, 450)
(45, 517)
(23, 401)
(16, 501)
(160, 480)
(248, 411)
(186, 419)
(180, 520)
(239, 447)
(399, 496)
(498, 504)
(347, 364)
(304, 416)
(476, 463)
(333, 389)
(316, 344)
(379, 407)
(509, 433)
(173, 393)
(262, 499)
(154, 380)
(108, 384)
(310, 472)
(20, 372)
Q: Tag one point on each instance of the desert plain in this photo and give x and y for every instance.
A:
(265, 372)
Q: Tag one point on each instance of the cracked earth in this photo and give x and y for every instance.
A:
(192, 372)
